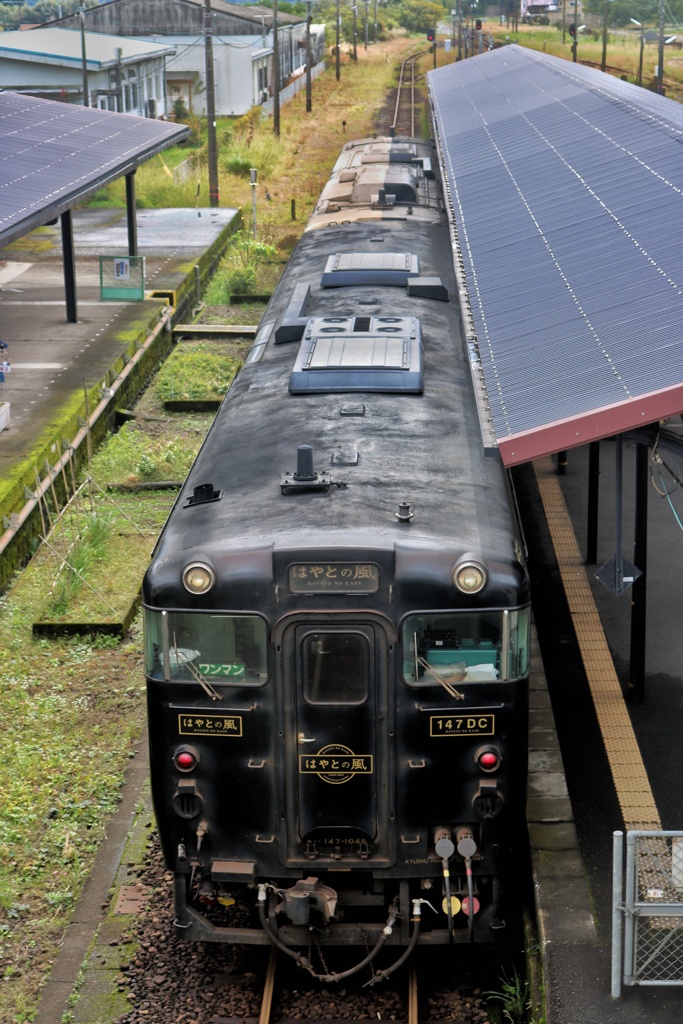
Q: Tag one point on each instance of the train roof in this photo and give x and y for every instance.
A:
(375, 446)
(380, 179)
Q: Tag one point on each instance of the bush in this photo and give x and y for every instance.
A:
(237, 272)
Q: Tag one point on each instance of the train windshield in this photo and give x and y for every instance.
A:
(475, 647)
(186, 646)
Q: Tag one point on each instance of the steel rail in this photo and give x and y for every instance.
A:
(412, 60)
(268, 988)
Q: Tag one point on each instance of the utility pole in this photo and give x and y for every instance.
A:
(309, 105)
(660, 51)
(338, 56)
(214, 197)
(276, 73)
(459, 10)
(642, 43)
(119, 76)
(605, 19)
(84, 59)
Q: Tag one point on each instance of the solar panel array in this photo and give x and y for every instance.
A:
(53, 155)
(567, 193)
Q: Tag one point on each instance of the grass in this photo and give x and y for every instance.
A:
(84, 590)
(200, 371)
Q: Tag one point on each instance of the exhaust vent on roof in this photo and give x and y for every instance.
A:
(380, 354)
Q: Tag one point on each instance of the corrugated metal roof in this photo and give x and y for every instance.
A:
(54, 155)
(63, 45)
(566, 187)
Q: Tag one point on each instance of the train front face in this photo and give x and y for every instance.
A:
(337, 655)
(361, 751)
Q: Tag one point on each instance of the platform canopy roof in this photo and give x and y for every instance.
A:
(566, 187)
(54, 155)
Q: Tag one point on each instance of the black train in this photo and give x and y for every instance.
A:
(337, 616)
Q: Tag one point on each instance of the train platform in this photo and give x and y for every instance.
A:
(620, 762)
(49, 359)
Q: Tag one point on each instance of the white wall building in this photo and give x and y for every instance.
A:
(241, 43)
(124, 75)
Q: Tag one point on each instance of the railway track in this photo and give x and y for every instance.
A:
(409, 97)
(166, 980)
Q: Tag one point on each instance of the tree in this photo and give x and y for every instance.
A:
(419, 15)
(13, 15)
(621, 11)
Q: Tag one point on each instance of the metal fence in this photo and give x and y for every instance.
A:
(647, 909)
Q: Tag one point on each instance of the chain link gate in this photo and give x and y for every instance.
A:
(647, 909)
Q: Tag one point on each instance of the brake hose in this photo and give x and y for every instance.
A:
(301, 960)
(445, 849)
(467, 848)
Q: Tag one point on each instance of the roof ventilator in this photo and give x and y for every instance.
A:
(305, 478)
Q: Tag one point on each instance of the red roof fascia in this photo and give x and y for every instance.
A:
(591, 426)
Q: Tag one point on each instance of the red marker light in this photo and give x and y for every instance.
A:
(488, 760)
(185, 760)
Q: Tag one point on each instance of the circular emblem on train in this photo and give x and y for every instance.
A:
(336, 764)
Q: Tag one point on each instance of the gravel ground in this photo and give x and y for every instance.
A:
(169, 981)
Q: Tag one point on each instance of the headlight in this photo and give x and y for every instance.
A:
(198, 578)
(470, 577)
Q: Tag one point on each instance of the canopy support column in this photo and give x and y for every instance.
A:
(69, 267)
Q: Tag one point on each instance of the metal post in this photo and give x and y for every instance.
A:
(276, 73)
(84, 60)
(212, 150)
(253, 175)
(617, 911)
(593, 497)
(309, 104)
(629, 907)
(374, 34)
(131, 215)
(69, 265)
(639, 603)
(355, 33)
(618, 503)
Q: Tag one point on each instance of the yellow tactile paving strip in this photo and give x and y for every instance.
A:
(628, 771)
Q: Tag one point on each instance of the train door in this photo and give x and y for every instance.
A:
(337, 746)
